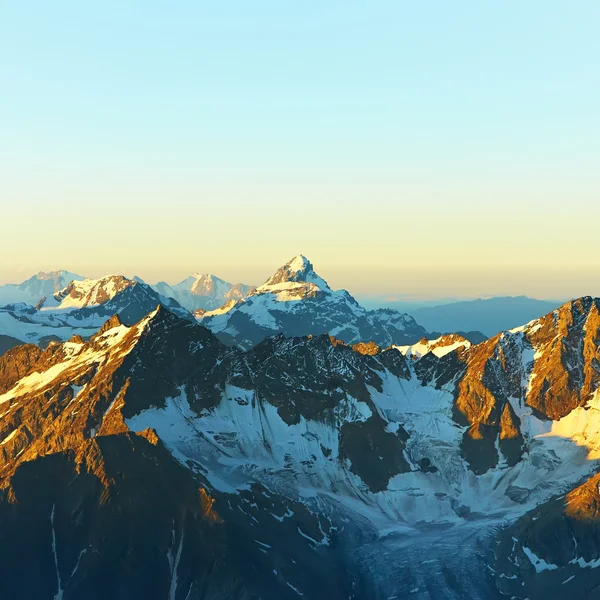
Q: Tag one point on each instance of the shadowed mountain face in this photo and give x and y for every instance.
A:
(487, 316)
(153, 461)
(554, 551)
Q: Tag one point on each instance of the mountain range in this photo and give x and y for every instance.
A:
(303, 466)
(294, 301)
(37, 289)
(291, 443)
(80, 308)
(203, 291)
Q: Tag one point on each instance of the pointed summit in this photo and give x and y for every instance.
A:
(206, 284)
(297, 269)
(203, 291)
(299, 263)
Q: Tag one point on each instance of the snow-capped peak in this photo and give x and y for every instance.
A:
(57, 275)
(297, 269)
(299, 263)
(296, 280)
(92, 292)
(206, 283)
(37, 289)
(199, 280)
(203, 291)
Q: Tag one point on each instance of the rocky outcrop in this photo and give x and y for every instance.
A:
(16, 363)
(368, 348)
(547, 368)
(567, 371)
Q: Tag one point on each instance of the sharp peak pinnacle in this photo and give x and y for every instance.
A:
(299, 262)
(297, 269)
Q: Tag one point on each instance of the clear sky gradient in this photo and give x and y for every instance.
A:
(418, 148)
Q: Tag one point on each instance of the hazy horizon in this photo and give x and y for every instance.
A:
(432, 286)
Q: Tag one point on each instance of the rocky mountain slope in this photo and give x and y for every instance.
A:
(554, 550)
(203, 291)
(303, 467)
(296, 301)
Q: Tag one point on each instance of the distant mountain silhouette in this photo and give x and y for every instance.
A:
(488, 316)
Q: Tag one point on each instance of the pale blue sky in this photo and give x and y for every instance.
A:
(447, 148)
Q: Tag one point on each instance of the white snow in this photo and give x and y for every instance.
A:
(35, 328)
(244, 439)
(90, 292)
(290, 291)
(37, 287)
(581, 562)
(529, 328)
(437, 346)
(581, 427)
(298, 263)
(204, 291)
(294, 588)
(173, 560)
(35, 381)
(76, 355)
(538, 563)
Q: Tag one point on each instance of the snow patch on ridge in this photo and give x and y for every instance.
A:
(437, 347)
(539, 564)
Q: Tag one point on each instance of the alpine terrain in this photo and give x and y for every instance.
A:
(79, 308)
(296, 301)
(37, 289)
(155, 461)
